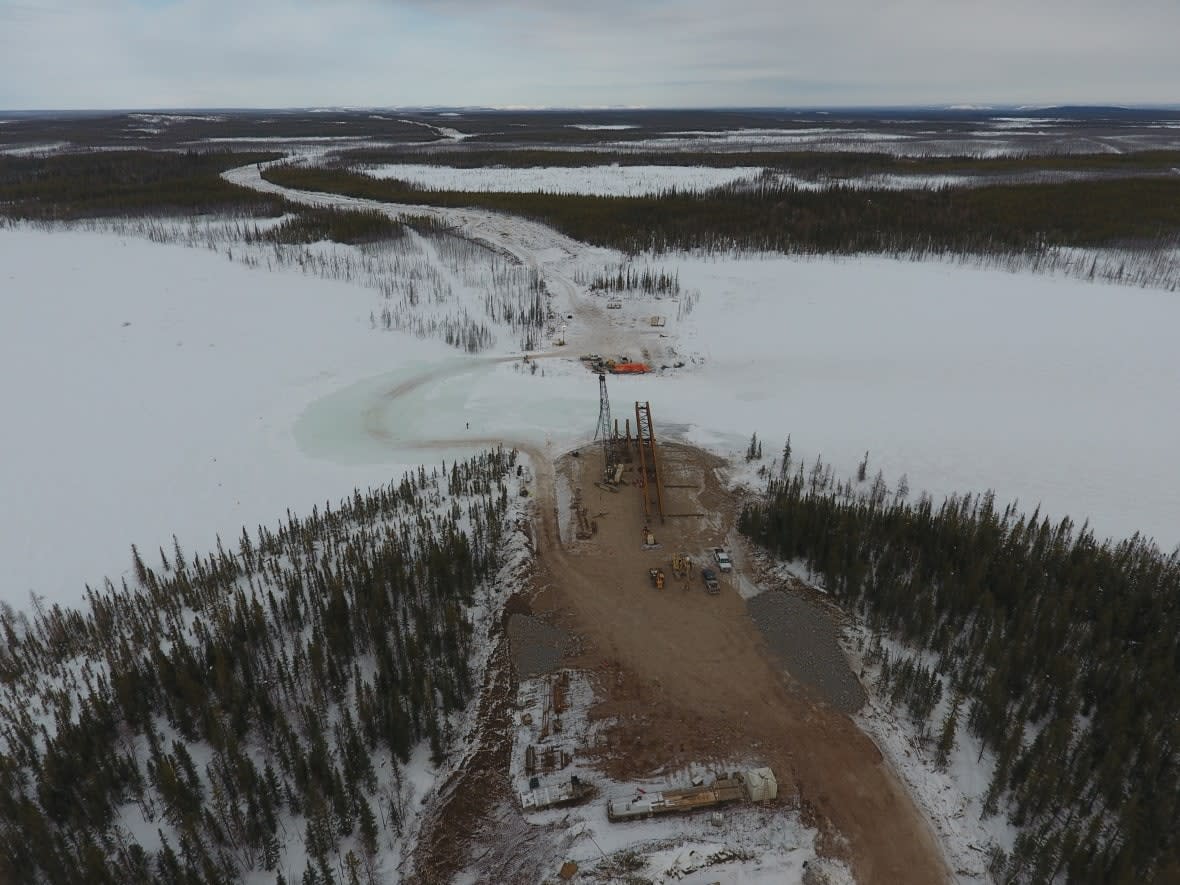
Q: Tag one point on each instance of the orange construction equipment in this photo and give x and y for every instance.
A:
(630, 368)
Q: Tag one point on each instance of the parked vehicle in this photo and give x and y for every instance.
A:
(724, 563)
(710, 579)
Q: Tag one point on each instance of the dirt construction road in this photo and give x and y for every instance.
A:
(687, 676)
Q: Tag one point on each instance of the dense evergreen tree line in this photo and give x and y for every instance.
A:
(775, 216)
(1063, 652)
(243, 700)
(180, 131)
(118, 183)
(812, 164)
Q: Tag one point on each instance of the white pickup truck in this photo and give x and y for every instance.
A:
(724, 563)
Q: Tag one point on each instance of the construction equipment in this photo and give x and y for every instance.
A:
(681, 565)
(621, 448)
(603, 431)
(628, 368)
(754, 785)
(657, 577)
(649, 470)
(594, 362)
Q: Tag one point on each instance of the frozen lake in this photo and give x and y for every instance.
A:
(157, 390)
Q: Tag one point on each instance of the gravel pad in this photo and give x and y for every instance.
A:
(805, 640)
(536, 646)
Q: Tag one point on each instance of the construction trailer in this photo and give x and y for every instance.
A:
(567, 793)
(754, 785)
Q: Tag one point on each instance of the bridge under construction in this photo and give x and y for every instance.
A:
(649, 465)
(620, 448)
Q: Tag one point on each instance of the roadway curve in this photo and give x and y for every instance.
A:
(532, 244)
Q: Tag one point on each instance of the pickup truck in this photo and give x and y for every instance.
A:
(710, 579)
(724, 563)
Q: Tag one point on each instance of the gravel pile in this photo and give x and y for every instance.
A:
(805, 640)
(536, 646)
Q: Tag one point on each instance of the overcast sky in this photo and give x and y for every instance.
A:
(573, 53)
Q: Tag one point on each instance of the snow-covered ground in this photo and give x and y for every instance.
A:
(881, 182)
(991, 140)
(29, 150)
(594, 127)
(407, 787)
(1047, 390)
(740, 843)
(613, 181)
(152, 390)
(951, 798)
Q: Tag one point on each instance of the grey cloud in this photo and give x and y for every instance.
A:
(529, 52)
